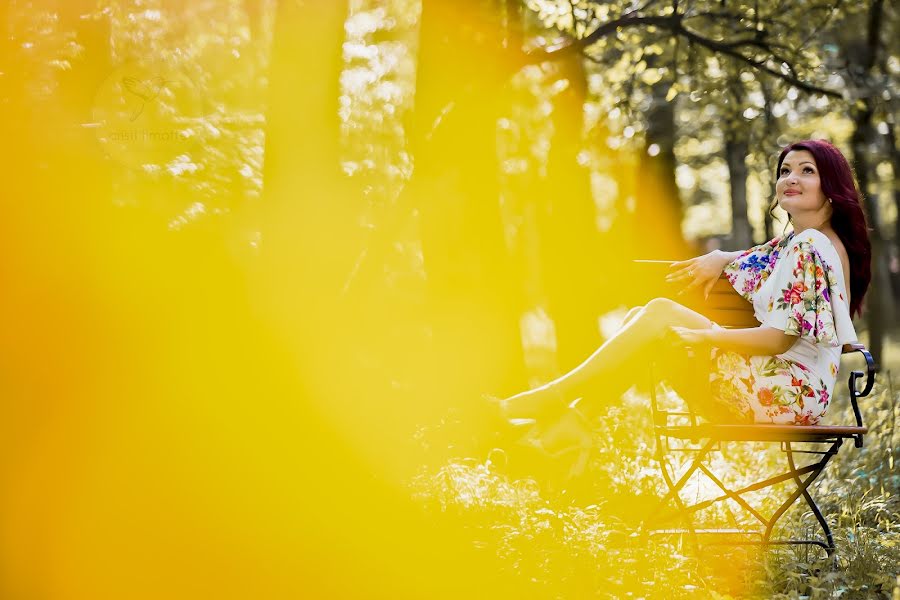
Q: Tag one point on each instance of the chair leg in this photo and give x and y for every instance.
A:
(675, 487)
(802, 489)
(684, 512)
(806, 495)
(736, 496)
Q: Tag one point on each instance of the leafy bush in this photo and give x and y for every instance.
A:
(582, 539)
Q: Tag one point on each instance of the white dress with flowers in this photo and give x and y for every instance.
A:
(796, 284)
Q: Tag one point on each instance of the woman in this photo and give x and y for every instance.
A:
(804, 287)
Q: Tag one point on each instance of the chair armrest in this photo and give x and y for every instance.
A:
(854, 375)
(854, 390)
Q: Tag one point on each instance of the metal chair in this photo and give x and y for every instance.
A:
(727, 308)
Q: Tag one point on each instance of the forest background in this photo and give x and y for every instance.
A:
(262, 259)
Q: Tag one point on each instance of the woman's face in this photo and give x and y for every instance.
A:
(799, 189)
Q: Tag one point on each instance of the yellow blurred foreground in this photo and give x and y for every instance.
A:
(189, 416)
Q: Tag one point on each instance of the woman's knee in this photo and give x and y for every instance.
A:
(668, 312)
(661, 308)
(652, 317)
(631, 314)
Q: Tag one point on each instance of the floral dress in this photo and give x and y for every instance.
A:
(796, 284)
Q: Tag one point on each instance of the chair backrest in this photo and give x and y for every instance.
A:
(724, 306)
(727, 307)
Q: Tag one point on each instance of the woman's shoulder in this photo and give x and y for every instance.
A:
(814, 246)
(831, 251)
(811, 271)
(814, 238)
(765, 252)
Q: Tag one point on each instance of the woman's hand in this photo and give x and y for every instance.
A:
(699, 272)
(692, 338)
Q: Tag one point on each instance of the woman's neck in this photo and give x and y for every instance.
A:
(816, 222)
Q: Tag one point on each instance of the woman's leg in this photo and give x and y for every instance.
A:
(632, 313)
(643, 328)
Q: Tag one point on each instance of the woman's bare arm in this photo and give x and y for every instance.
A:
(761, 341)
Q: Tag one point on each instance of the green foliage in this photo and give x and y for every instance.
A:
(211, 46)
(207, 46)
(588, 546)
(750, 71)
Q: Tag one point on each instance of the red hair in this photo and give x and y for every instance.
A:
(847, 219)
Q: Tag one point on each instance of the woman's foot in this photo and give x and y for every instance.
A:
(567, 443)
(542, 403)
(570, 432)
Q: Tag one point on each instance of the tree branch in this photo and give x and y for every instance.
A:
(761, 66)
(675, 24)
(629, 19)
(822, 25)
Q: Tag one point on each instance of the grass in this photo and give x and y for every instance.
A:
(579, 540)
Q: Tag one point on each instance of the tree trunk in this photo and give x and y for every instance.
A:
(354, 433)
(894, 151)
(658, 202)
(862, 56)
(877, 316)
(475, 298)
(770, 129)
(736, 149)
(569, 237)
(311, 213)
(79, 85)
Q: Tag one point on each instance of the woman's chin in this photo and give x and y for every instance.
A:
(792, 205)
